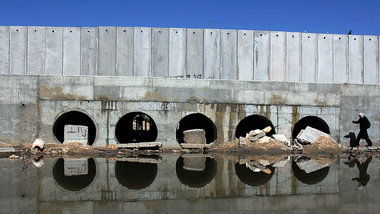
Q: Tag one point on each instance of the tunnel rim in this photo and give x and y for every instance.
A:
(308, 117)
(273, 131)
(133, 112)
(214, 128)
(80, 111)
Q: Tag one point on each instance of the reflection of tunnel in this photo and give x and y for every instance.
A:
(76, 182)
(311, 121)
(74, 118)
(196, 121)
(253, 122)
(196, 179)
(247, 176)
(136, 127)
(309, 178)
(135, 175)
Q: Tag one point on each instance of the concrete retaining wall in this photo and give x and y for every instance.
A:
(190, 53)
(30, 105)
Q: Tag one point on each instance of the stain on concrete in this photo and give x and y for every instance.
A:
(277, 99)
(154, 96)
(320, 103)
(56, 92)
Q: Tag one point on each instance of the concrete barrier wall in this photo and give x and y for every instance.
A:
(190, 53)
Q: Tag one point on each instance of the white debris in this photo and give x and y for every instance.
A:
(37, 146)
(194, 136)
(310, 135)
(194, 163)
(310, 165)
(73, 167)
(265, 139)
(75, 133)
(281, 138)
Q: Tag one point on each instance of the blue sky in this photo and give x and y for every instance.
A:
(316, 16)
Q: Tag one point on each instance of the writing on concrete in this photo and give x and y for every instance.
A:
(76, 133)
(73, 167)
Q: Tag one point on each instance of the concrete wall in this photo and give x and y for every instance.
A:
(190, 53)
(30, 105)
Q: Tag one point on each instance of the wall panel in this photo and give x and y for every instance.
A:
(371, 59)
(261, 55)
(325, 58)
(340, 58)
(309, 57)
(160, 52)
(142, 52)
(245, 54)
(4, 50)
(228, 53)
(355, 54)
(277, 56)
(71, 51)
(194, 53)
(36, 50)
(212, 59)
(107, 51)
(124, 51)
(89, 51)
(177, 52)
(293, 56)
(18, 49)
(53, 50)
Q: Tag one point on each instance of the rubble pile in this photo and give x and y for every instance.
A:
(312, 140)
(259, 137)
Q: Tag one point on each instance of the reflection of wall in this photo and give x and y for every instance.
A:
(225, 193)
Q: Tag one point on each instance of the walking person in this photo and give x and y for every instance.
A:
(364, 125)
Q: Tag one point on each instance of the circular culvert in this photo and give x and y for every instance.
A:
(247, 176)
(312, 177)
(136, 127)
(74, 118)
(311, 121)
(74, 182)
(253, 122)
(196, 178)
(134, 175)
(196, 121)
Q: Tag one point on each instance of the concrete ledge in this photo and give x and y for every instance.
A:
(139, 145)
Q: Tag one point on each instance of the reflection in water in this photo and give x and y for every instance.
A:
(74, 182)
(134, 175)
(195, 175)
(253, 177)
(362, 167)
(311, 172)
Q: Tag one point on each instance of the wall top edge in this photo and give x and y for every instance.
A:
(224, 29)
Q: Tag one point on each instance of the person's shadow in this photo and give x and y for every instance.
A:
(362, 167)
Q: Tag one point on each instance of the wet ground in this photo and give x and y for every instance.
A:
(190, 183)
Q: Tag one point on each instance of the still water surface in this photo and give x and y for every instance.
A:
(186, 183)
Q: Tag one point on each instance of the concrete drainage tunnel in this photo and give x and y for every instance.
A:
(196, 121)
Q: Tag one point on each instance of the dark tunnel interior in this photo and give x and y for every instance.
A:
(74, 118)
(136, 127)
(311, 121)
(134, 175)
(196, 121)
(252, 178)
(253, 122)
(196, 179)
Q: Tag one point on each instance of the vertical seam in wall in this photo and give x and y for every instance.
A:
(80, 51)
(362, 66)
(150, 71)
(220, 54)
(63, 49)
(168, 55)
(300, 43)
(316, 77)
(44, 60)
(377, 60)
(203, 61)
(333, 59)
(97, 31)
(133, 52)
(269, 57)
(348, 59)
(284, 58)
(9, 50)
(116, 52)
(237, 54)
(26, 51)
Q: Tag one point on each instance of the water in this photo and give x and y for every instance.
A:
(175, 183)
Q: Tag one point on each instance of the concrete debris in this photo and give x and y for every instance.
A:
(281, 138)
(267, 129)
(310, 165)
(194, 136)
(243, 141)
(7, 149)
(194, 163)
(75, 133)
(263, 162)
(144, 145)
(257, 168)
(14, 157)
(37, 146)
(196, 146)
(38, 162)
(309, 135)
(265, 139)
(74, 167)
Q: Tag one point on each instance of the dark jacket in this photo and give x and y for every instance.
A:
(364, 123)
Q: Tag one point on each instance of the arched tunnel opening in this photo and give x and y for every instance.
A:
(309, 178)
(196, 178)
(247, 176)
(196, 121)
(311, 121)
(74, 118)
(253, 122)
(73, 182)
(134, 175)
(136, 127)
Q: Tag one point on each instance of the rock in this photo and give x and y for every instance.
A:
(242, 141)
(13, 157)
(37, 146)
(267, 129)
(38, 162)
(112, 146)
(265, 139)
(7, 149)
(310, 165)
(264, 162)
(309, 135)
(194, 136)
(281, 138)
(75, 133)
